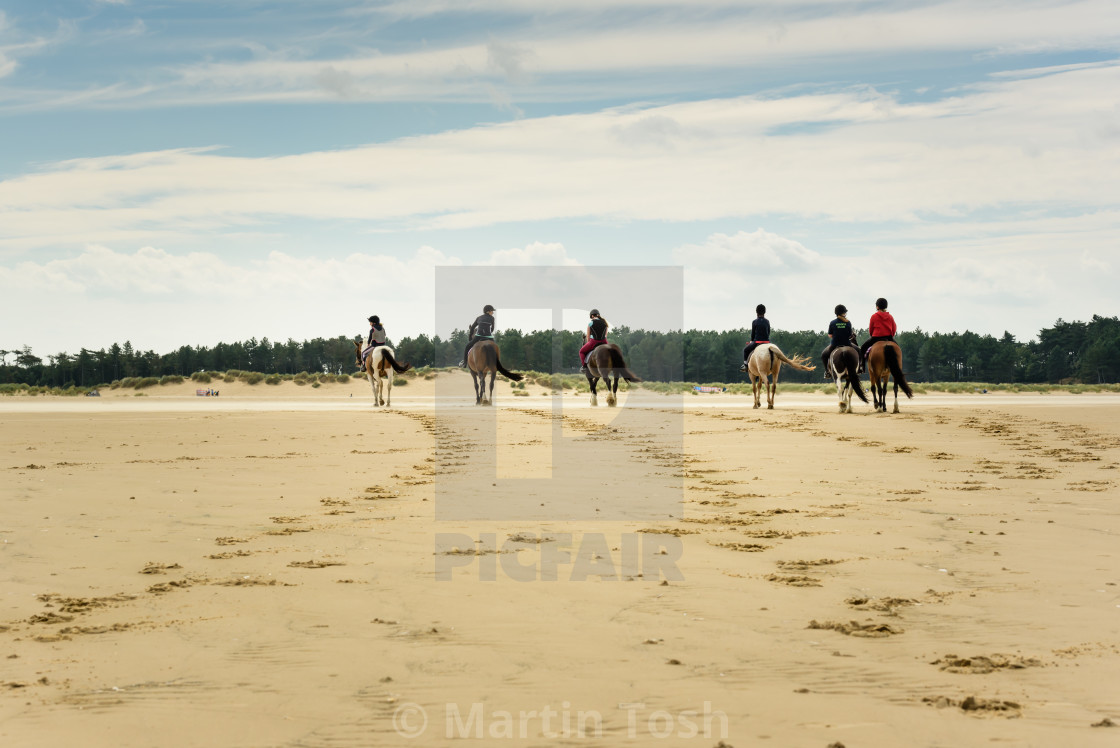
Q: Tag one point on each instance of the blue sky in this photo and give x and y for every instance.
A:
(188, 172)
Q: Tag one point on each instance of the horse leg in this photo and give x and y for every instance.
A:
(755, 390)
(895, 396)
(373, 386)
(388, 389)
(477, 389)
(490, 400)
(612, 388)
(594, 382)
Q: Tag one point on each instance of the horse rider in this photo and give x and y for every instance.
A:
(594, 336)
(481, 329)
(881, 327)
(376, 337)
(840, 333)
(760, 333)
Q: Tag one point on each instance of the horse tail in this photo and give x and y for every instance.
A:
(508, 374)
(619, 365)
(851, 368)
(890, 353)
(399, 368)
(795, 362)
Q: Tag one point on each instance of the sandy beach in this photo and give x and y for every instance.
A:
(282, 566)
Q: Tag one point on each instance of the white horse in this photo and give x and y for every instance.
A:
(765, 362)
(379, 366)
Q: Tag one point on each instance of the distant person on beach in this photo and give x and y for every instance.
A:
(376, 337)
(840, 333)
(594, 336)
(881, 327)
(760, 333)
(481, 329)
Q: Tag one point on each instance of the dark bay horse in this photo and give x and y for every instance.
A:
(884, 360)
(376, 367)
(605, 362)
(484, 359)
(845, 370)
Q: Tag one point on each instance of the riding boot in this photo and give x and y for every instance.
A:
(743, 368)
(583, 369)
(463, 364)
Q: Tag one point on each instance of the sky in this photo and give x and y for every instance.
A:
(185, 172)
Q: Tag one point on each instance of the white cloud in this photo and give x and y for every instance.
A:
(1037, 143)
(160, 299)
(588, 49)
(758, 251)
(537, 253)
(939, 290)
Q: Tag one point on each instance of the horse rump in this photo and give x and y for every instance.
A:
(849, 359)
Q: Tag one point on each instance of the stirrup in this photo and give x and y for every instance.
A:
(743, 366)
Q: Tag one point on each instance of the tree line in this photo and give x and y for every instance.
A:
(1067, 352)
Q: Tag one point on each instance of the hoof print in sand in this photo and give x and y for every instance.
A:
(982, 665)
(155, 568)
(794, 580)
(973, 705)
(855, 628)
(313, 564)
(743, 547)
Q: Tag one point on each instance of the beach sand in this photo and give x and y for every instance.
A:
(287, 566)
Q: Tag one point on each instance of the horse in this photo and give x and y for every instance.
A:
(884, 359)
(766, 360)
(376, 367)
(845, 370)
(484, 359)
(605, 361)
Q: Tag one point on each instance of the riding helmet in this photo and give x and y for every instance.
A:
(841, 309)
(760, 309)
(594, 312)
(487, 309)
(880, 303)
(375, 320)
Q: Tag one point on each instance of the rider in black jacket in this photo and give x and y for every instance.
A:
(481, 329)
(760, 333)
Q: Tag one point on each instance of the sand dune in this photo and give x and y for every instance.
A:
(290, 567)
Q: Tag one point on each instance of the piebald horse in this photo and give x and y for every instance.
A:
(377, 367)
(605, 361)
(766, 361)
(845, 370)
(884, 360)
(482, 359)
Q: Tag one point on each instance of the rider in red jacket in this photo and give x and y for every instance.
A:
(881, 327)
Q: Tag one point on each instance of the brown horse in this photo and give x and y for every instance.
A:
(605, 361)
(845, 370)
(884, 360)
(484, 359)
(376, 366)
(766, 361)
